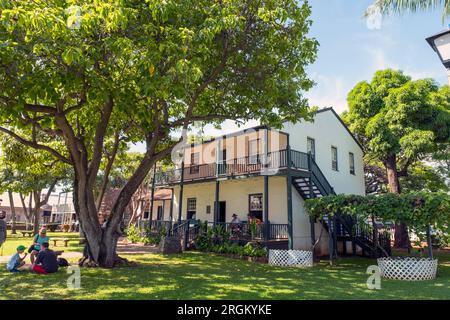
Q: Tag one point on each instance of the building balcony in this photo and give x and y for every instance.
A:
(275, 163)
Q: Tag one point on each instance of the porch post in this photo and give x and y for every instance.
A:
(180, 200)
(266, 187)
(289, 196)
(171, 206)
(216, 203)
(266, 208)
(335, 247)
(163, 208)
(152, 194)
(311, 196)
(330, 239)
(216, 195)
(429, 243)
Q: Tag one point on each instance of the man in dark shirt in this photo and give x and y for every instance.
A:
(46, 261)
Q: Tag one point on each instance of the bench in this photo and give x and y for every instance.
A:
(27, 233)
(65, 240)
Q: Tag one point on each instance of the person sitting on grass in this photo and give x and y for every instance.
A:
(16, 261)
(38, 240)
(46, 261)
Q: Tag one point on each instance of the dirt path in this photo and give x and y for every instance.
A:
(135, 248)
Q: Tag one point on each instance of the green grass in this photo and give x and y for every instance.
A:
(195, 275)
(13, 241)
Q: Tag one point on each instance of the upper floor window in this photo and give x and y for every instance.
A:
(351, 159)
(334, 158)
(311, 147)
(253, 150)
(195, 160)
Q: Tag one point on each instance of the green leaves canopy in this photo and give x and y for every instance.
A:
(231, 59)
(417, 210)
(394, 115)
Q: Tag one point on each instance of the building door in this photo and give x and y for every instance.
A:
(222, 211)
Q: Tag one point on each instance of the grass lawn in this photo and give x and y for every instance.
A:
(9, 247)
(195, 275)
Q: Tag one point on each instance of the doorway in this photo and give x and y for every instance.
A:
(222, 211)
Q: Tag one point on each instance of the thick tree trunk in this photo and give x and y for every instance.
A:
(101, 242)
(13, 211)
(401, 238)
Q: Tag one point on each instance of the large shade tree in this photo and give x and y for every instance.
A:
(77, 71)
(399, 122)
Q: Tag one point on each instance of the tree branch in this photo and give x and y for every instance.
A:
(100, 133)
(36, 145)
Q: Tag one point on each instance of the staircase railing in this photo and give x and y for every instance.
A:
(320, 179)
(367, 234)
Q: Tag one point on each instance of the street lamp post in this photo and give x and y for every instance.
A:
(440, 43)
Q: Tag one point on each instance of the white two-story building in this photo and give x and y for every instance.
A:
(266, 175)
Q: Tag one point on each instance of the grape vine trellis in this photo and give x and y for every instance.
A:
(419, 211)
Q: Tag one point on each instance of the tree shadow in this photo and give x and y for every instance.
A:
(194, 275)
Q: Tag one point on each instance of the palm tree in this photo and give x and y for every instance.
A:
(386, 7)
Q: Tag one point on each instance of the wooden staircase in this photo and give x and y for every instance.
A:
(343, 228)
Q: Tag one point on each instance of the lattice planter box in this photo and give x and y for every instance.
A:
(291, 258)
(408, 268)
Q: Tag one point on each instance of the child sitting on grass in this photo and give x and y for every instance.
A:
(16, 261)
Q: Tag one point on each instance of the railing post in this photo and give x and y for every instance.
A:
(180, 201)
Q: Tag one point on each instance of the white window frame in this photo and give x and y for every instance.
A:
(334, 158)
(311, 148)
(351, 162)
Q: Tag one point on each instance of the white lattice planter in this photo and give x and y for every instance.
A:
(291, 258)
(408, 268)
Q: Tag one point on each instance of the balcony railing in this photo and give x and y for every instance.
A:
(254, 164)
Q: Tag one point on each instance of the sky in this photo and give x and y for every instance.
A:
(352, 49)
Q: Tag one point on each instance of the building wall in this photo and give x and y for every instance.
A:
(165, 204)
(236, 195)
(20, 214)
(327, 131)
(236, 146)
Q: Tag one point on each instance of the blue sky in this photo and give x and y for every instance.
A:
(351, 51)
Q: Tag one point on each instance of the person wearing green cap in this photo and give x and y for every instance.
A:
(16, 261)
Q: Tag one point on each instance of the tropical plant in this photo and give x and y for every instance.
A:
(402, 6)
(133, 234)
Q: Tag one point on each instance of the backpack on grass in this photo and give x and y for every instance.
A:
(63, 262)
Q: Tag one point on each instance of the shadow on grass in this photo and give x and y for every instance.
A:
(196, 275)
